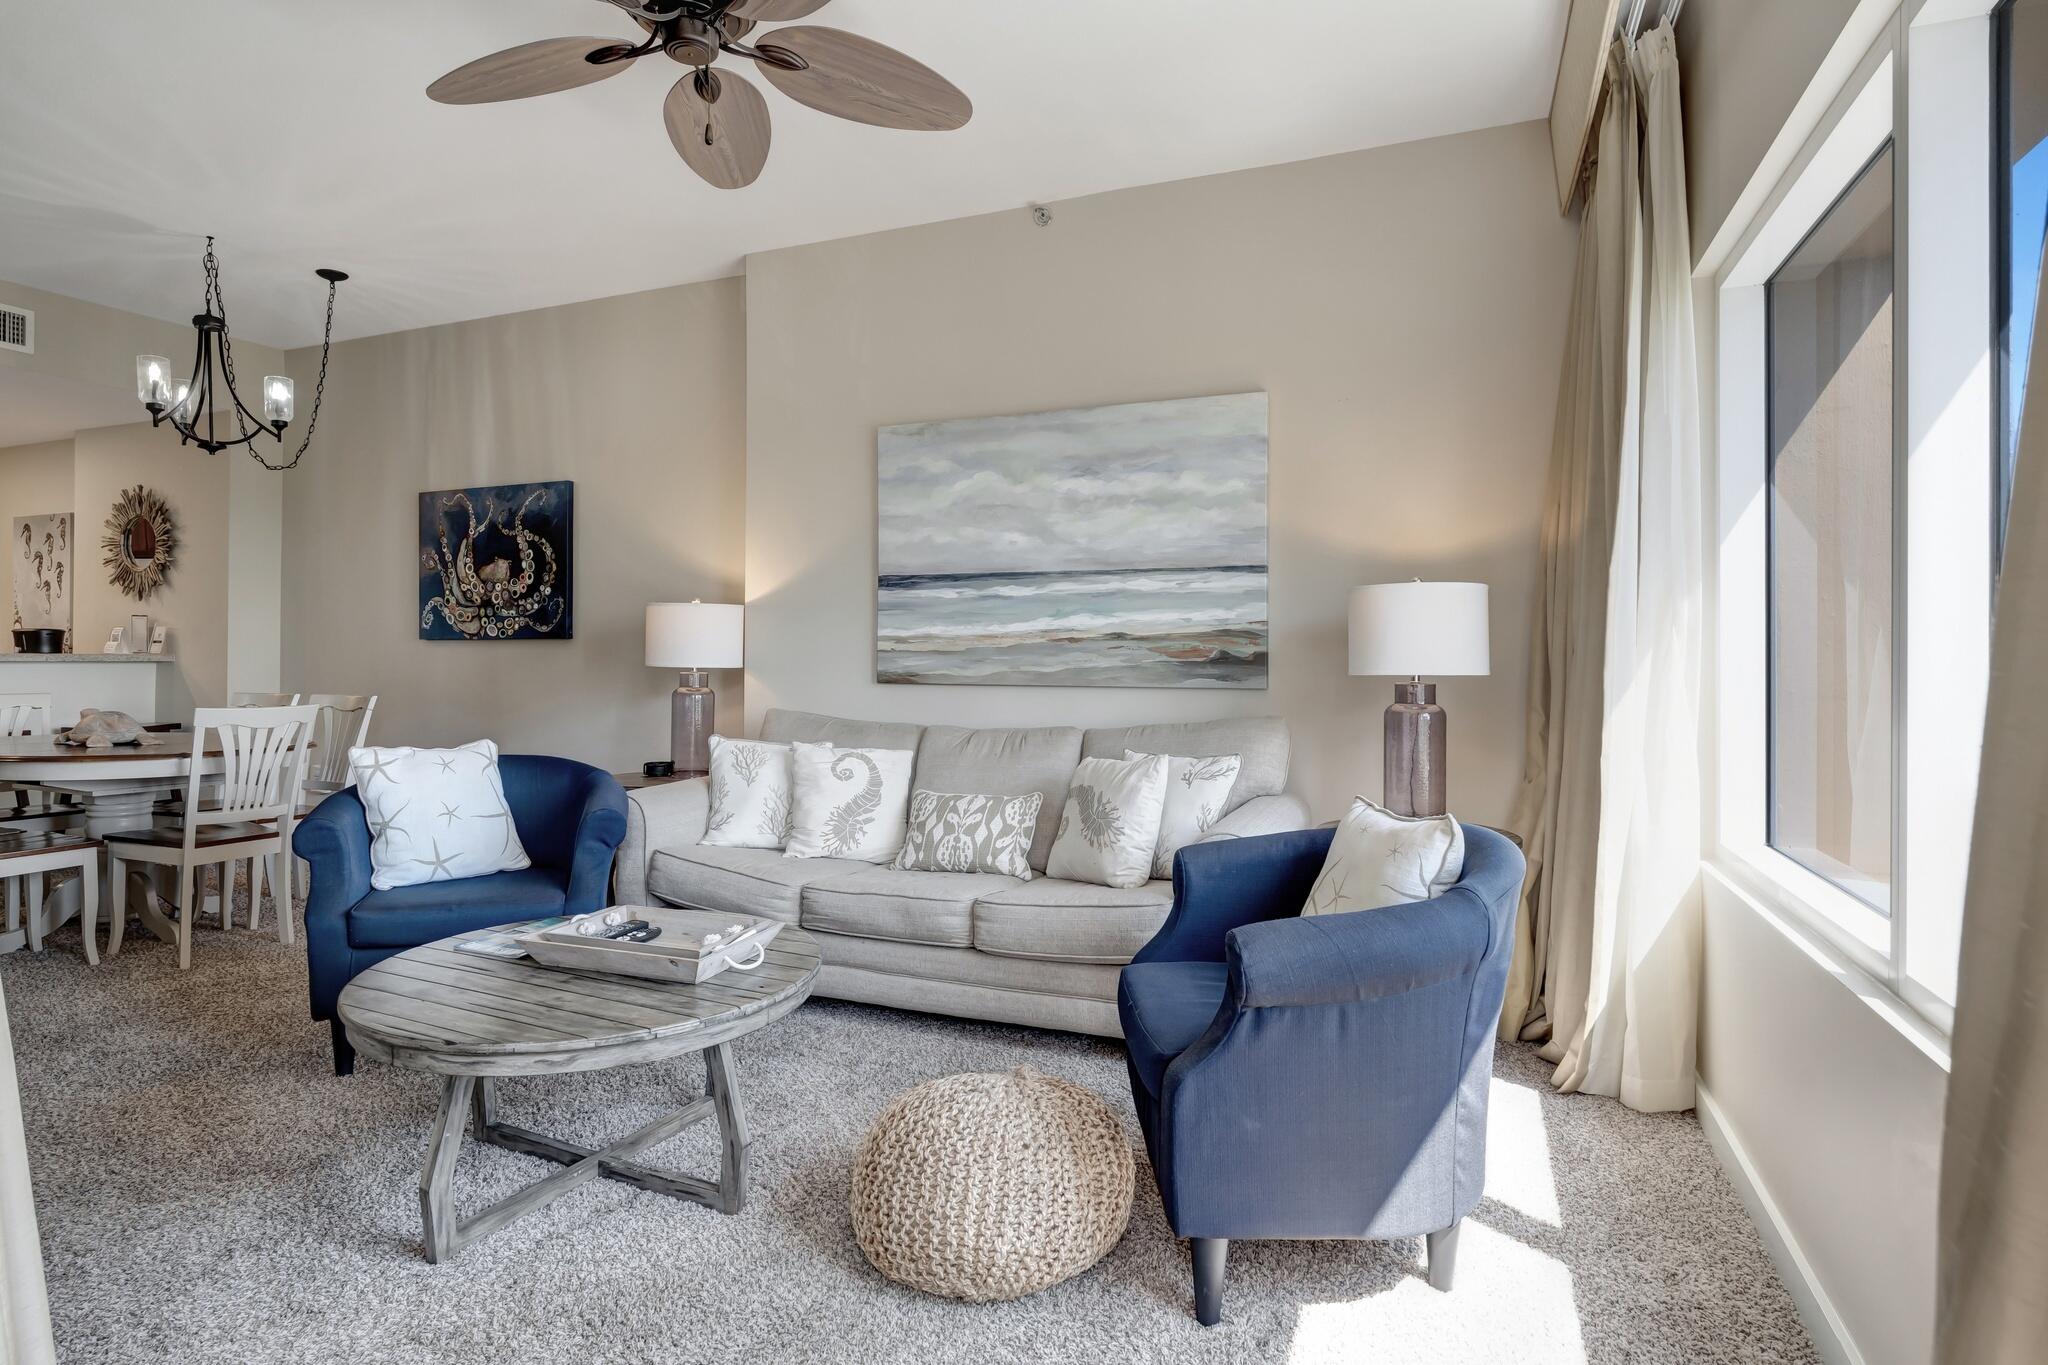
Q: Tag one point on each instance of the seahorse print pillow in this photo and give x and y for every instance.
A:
(750, 794)
(1195, 791)
(1111, 822)
(849, 803)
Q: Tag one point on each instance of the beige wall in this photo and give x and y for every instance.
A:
(639, 400)
(1743, 64)
(1404, 307)
(34, 480)
(194, 599)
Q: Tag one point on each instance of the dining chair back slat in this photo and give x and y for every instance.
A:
(344, 724)
(24, 713)
(263, 765)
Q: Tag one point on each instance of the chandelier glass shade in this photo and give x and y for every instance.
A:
(204, 408)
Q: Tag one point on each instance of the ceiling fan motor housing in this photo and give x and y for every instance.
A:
(691, 42)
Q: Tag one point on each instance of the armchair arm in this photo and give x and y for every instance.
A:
(600, 826)
(1360, 956)
(673, 815)
(1231, 882)
(1261, 815)
(335, 841)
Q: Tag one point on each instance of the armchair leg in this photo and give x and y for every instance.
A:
(1443, 1256)
(1209, 1256)
(344, 1055)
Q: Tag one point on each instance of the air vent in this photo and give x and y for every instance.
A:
(17, 329)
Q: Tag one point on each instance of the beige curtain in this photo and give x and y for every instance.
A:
(24, 1307)
(1994, 1176)
(1606, 972)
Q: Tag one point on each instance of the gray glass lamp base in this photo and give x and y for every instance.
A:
(692, 711)
(1415, 733)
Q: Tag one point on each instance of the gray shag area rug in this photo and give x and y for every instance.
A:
(209, 1191)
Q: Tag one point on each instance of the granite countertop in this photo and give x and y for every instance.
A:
(11, 657)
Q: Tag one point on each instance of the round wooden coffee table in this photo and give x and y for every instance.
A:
(472, 1018)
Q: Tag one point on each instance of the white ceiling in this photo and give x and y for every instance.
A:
(298, 133)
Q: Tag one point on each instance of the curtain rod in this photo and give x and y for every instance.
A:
(1631, 24)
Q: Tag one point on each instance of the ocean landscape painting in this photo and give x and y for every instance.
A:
(1120, 546)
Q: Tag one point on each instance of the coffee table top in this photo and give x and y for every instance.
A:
(464, 1014)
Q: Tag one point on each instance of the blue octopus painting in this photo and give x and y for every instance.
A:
(495, 563)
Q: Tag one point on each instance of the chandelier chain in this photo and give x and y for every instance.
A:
(319, 387)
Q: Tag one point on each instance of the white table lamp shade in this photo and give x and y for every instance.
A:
(1415, 630)
(695, 635)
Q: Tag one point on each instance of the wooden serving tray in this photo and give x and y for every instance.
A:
(677, 955)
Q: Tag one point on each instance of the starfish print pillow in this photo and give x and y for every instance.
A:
(1378, 858)
(435, 814)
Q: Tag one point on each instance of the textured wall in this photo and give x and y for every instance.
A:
(639, 400)
(1405, 309)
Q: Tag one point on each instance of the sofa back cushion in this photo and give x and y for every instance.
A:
(1260, 742)
(953, 758)
(783, 727)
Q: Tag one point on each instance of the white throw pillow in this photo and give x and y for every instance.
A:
(1111, 822)
(750, 794)
(1195, 791)
(1378, 858)
(435, 814)
(849, 803)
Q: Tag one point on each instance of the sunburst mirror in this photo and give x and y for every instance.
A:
(140, 542)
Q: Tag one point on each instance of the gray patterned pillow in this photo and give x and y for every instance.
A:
(955, 832)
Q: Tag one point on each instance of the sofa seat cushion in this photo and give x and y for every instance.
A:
(900, 906)
(1165, 1008)
(1063, 921)
(745, 881)
(407, 916)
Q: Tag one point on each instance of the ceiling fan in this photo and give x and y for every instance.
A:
(717, 119)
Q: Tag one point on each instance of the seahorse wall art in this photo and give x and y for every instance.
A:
(496, 563)
(40, 548)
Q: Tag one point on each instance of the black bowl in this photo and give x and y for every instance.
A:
(41, 640)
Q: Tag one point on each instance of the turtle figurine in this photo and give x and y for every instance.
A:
(105, 729)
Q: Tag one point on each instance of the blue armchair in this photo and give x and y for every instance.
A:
(1323, 1076)
(570, 817)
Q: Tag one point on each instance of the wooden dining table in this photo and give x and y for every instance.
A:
(119, 789)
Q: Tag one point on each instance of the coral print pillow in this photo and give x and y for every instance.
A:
(953, 832)
(750, 794)
(1111, 822)
(849, 803)
(435, 814)
(1195, 791)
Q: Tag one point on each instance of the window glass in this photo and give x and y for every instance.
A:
(2023, 209)
(1829, 325)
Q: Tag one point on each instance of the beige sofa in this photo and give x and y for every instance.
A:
(1043, 952)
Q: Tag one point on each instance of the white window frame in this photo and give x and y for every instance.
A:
(1926, 84)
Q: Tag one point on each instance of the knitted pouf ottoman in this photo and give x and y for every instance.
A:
(991, 1185)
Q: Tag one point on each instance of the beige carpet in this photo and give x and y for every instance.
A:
(210, 1192)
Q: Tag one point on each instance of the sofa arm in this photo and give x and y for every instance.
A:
(1260, 815)
(1231, 882)
(1359, 956)
(672, 815)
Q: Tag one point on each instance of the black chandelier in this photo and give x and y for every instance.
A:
(188, 403)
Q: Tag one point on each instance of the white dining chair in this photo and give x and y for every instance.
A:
(244, 812)
(29, 816)
(344, 724)
(26, 860)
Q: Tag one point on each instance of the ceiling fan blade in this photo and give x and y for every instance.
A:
(860, 79)
(530, 69)
(719, 124)
(776, 11)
